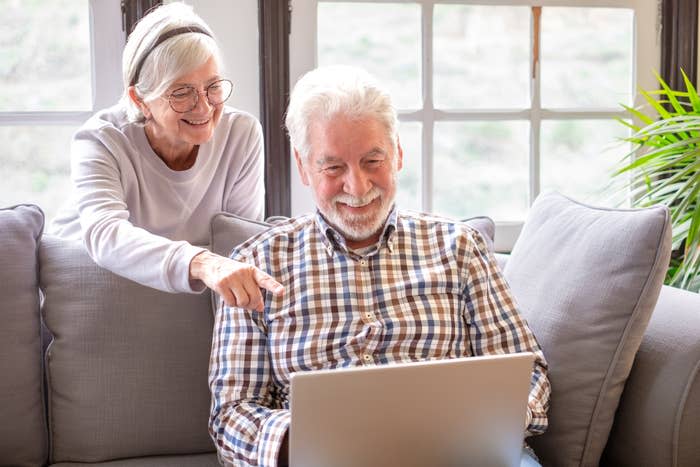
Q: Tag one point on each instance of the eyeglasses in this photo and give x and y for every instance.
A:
(186, 98)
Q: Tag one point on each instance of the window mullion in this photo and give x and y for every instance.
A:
(43, 118)
(428, 109)
(536, 106)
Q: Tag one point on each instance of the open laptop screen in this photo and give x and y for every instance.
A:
(461, 412)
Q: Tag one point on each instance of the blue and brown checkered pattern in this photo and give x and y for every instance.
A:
(428, 290)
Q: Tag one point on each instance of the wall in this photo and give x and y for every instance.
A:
(301, 41)
(235, 24)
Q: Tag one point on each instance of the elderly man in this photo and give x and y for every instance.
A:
(365, 283)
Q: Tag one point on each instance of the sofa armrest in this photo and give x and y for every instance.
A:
(658, 420)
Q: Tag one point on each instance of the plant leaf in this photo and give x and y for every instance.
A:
(692, 93)
(663, 167)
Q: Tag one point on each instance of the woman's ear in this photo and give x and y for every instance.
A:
(136, 99)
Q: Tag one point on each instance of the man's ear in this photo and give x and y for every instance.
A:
(399, 155)
(300, 168)
(138, 102)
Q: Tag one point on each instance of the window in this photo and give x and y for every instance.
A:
(498, 100)
(55, 71)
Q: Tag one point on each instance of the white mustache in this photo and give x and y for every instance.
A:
(356, 202)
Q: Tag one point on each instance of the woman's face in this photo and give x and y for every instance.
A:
(174, 133)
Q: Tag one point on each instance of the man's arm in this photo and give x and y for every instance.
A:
(496, 327)
(246, 421)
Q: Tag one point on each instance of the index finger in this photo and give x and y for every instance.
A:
(266, 282)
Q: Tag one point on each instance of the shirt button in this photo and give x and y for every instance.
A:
(368, 315)
(363, 262)
(367, 357)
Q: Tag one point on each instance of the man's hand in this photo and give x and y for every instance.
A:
(237, 283)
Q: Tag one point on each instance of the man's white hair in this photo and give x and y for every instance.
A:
(328, 91)
(174, 57)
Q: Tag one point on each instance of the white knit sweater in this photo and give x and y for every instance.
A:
(140, 219)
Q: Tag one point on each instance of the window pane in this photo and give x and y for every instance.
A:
(586, 57)
(408, 195)
(481, 168)
(578, 158)
(481, 56)
(45, 56)
(35, 166)
(383, 38)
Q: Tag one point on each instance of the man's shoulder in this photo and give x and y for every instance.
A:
(412, 220)
(293, 229)
(436, 227)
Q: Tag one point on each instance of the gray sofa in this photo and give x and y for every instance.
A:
(123, 381)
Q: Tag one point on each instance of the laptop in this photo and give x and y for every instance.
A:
(458, 412)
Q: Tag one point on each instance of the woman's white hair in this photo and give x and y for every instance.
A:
(174, 57)
(328, 91)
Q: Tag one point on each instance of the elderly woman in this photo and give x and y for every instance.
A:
(149, 173)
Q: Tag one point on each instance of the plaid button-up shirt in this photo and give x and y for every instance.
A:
(429, 289)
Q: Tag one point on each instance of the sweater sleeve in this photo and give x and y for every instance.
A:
(110, 238)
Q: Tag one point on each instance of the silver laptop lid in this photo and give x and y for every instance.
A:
(459, 412)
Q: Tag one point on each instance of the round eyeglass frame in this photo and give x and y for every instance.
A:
(197, 94)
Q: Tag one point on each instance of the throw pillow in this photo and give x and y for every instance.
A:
(587, 280)
(230, 230)
(23, 438)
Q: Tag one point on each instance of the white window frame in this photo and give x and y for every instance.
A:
(647, 53)
(107, 41)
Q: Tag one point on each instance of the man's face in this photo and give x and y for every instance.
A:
(351, 170)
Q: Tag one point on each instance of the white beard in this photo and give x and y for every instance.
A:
(362, 226)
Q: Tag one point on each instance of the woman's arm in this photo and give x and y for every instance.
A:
(111, 239)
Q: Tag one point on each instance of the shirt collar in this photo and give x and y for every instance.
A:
(332, 240)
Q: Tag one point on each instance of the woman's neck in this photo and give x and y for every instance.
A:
(177, 157)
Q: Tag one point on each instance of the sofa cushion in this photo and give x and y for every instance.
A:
(587, 280)
(658, 420)
(197, 460)
(127, 369)
(23, 440)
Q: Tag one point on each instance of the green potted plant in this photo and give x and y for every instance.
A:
(664, 168)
